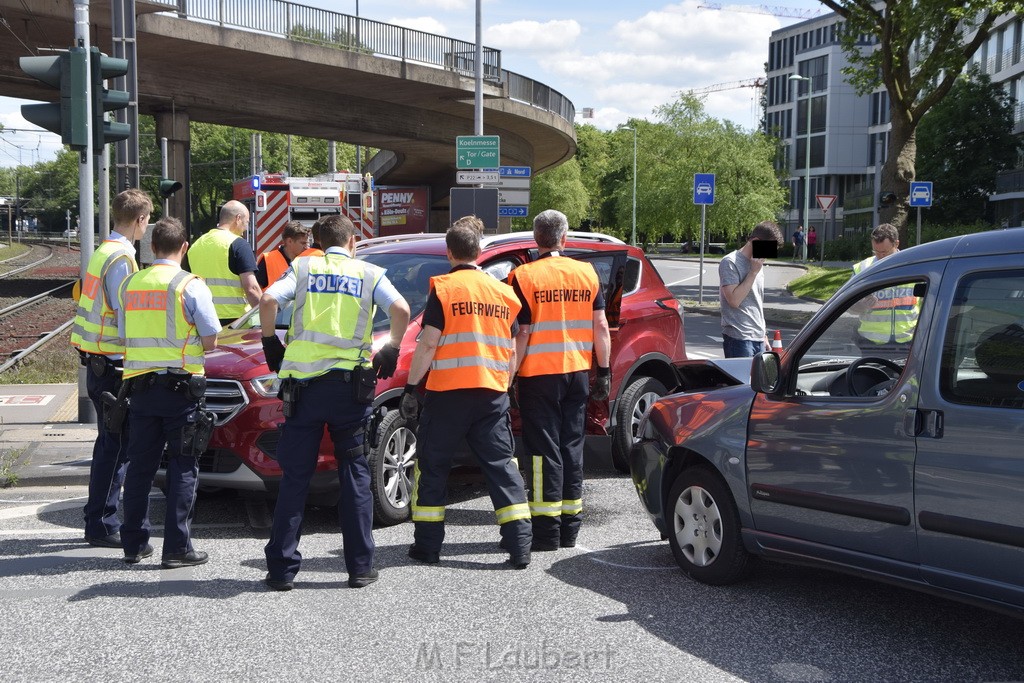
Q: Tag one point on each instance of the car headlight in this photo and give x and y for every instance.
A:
(266, 385)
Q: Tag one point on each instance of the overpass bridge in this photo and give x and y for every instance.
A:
(281, 67)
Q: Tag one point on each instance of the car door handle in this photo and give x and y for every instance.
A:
(927, 422)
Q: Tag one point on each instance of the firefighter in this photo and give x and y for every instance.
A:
(467, 344)
(226, 262)
(561, 326)
(271, 265)
(327, 379)
(168, 321)
(102, 351)
(314, 249)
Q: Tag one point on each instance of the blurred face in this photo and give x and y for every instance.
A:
(293, 246)
(884, 248)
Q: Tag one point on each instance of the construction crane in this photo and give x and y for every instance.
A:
(718, 87)
(790, 12)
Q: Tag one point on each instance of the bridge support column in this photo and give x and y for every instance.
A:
(173, 125)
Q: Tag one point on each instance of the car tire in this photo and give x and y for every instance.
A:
(391, 470)
(629, 408)
(704, 528)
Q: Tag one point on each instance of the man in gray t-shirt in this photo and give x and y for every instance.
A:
(741, 295)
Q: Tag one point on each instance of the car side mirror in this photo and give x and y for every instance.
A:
(765, 373)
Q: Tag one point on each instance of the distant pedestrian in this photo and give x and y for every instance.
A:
(812, 243)
(799, 244)
(742, 296)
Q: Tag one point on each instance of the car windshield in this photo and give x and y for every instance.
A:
(410, 274)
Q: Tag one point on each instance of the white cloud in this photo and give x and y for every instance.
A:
(425, 24)
(445, 5)
(533, 36)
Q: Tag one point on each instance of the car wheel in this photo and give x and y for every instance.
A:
(391, 470)
(704, 528)
(629, 410)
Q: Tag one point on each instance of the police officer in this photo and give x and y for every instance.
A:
(467, 344)
(561, 326)
(888, 317)
(168, 321)
(96, 337)
(227, 263)
(271, 265)
(327, 380)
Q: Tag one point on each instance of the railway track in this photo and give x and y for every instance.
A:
(39, 254)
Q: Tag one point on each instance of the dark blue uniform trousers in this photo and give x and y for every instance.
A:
(326, 400)
(553, 409)
(157, 415)
(109, 461)
(479, 416)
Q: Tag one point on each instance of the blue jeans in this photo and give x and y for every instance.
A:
(741, 348)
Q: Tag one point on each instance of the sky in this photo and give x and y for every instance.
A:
(620, 58)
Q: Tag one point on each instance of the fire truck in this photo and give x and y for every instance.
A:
(274, 199)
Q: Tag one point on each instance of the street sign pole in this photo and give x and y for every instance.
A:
(86, 200)
(918, 227)
(700, 276)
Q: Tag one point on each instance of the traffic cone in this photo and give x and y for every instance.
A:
(777, 342)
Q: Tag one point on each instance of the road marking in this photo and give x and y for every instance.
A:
(685, 279)
(592, 554)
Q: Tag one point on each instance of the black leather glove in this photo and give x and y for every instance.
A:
(385, 361)
(409, 407)
(602, 385)
(273, 352)
(513, 395)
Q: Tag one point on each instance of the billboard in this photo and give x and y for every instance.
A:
(402, 210)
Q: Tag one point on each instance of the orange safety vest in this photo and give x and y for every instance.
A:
(476, 343)
(560, 293)
(312, 251)
(276, 265)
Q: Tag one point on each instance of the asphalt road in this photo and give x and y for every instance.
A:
(614, 608)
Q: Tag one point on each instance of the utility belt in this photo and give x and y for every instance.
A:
(195, 434)
(363, 379)
(178, 381)
(98, 364)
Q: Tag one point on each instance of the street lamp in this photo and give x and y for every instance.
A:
(807, 146)
(633, 234)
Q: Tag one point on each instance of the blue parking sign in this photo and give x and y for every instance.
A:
(703, 188)
(921, 193)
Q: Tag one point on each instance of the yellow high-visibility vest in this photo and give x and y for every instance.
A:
(157, 335)
(208, 258)
(332, 324)
(95, 328)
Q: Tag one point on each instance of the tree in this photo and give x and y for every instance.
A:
(922, 47)
(963, 143)
(560, 188)
(683, 142)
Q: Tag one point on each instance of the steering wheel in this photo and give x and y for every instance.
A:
(851, 372)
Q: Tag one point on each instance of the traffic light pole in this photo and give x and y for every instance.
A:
(86, 412)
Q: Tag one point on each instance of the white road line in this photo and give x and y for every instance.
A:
(685, 279)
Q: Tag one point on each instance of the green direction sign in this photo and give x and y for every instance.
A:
(477, 151)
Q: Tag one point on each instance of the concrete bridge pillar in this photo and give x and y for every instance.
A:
(173, 125)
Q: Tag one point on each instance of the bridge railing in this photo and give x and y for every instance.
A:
(345, 32)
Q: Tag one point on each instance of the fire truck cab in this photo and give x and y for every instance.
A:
(274, 199)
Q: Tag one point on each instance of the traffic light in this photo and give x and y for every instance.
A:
(886, 199)
(102, 67)
(68, 72)
(168, 187)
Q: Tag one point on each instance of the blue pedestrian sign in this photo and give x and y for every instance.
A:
(703, 188)
(921, 193)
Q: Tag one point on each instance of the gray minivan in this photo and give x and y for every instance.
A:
(898, 459)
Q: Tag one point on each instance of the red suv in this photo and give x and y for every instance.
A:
(647, 344)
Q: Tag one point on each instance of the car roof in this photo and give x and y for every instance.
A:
(985, 243)
(433, 242)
